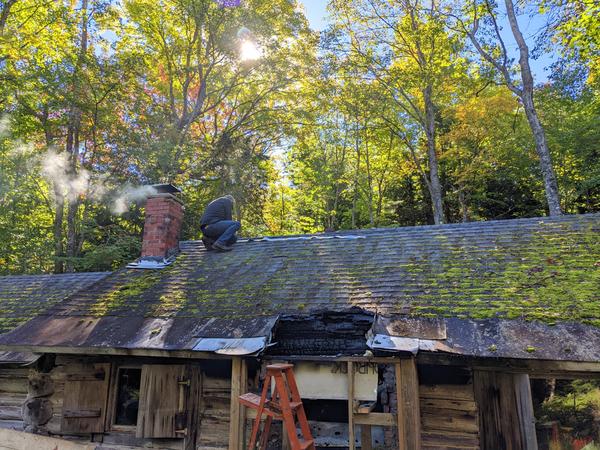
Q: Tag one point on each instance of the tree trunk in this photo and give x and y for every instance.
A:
(4, 13)
(541, 145)
(462, 201)
(435, 187)
(57, 228)
(73, 141)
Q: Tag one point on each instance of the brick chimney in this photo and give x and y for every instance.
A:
(164, 215)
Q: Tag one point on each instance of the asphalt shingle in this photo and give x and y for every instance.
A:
(545, 269)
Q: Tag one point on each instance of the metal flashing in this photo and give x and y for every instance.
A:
(151, 263)
(231, 346)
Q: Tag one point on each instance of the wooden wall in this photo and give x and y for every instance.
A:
(449, 417)
(13, 392)
(213, 417)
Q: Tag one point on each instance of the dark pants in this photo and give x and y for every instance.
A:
(223, 231)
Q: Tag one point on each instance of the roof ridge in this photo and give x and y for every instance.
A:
(503, 223)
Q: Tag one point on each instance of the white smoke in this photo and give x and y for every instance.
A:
(55, 167)
(130, 194)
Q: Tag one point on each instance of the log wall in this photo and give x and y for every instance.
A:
(449, 417)
(13, 393)
(14, 386)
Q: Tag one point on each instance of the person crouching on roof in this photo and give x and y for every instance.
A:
(218, 228)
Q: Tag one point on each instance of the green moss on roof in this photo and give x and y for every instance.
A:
(535, 269)
(24, 297)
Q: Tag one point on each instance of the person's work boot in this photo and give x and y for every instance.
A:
(222, 247)
(208, 243)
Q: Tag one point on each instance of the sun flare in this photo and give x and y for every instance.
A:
(249, 51)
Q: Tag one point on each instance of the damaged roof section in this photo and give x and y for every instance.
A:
(544, 270)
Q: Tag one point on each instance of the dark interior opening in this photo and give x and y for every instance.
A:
(128, 396)
(326, 410)
(443, 375)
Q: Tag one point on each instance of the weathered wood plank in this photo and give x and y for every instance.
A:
(159, 400)
(501, 410)
(442, 403)
(525, 408)
(85, 395)
(451, 439)
(366, 440)
(235, 416)
(445, 421)
(374, 418)
(447, 391)
(351, 442)
(193, 406)
(409, 416)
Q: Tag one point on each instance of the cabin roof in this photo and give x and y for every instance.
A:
(23, 297)
(541, 271)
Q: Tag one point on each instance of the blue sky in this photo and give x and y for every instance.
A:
(316, 12)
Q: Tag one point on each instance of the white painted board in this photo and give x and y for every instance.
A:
(329, 381)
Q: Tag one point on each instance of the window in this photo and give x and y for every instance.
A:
(128, 396)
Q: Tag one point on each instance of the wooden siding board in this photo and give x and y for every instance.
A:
(86, 390)
(159, 400)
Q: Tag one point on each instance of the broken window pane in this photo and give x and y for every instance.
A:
(128, 396)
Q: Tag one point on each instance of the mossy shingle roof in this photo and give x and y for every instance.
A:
(23, 297)
(545, 269)
(481, 276)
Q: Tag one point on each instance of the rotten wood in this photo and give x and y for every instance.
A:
(504, 411)
(193, 406)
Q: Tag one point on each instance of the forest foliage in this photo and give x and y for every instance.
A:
(400, 112)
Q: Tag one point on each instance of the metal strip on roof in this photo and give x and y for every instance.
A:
(408, 334)
(235, 337)
(233, 347)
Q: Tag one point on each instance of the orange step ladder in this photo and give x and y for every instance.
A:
(285, 405)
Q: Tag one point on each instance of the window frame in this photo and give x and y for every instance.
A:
(111, 415)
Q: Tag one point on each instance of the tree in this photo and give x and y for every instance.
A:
(495, 54)
(406, 47)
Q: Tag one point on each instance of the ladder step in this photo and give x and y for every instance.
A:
(280, 366)
(250, 400)
(304, 445)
